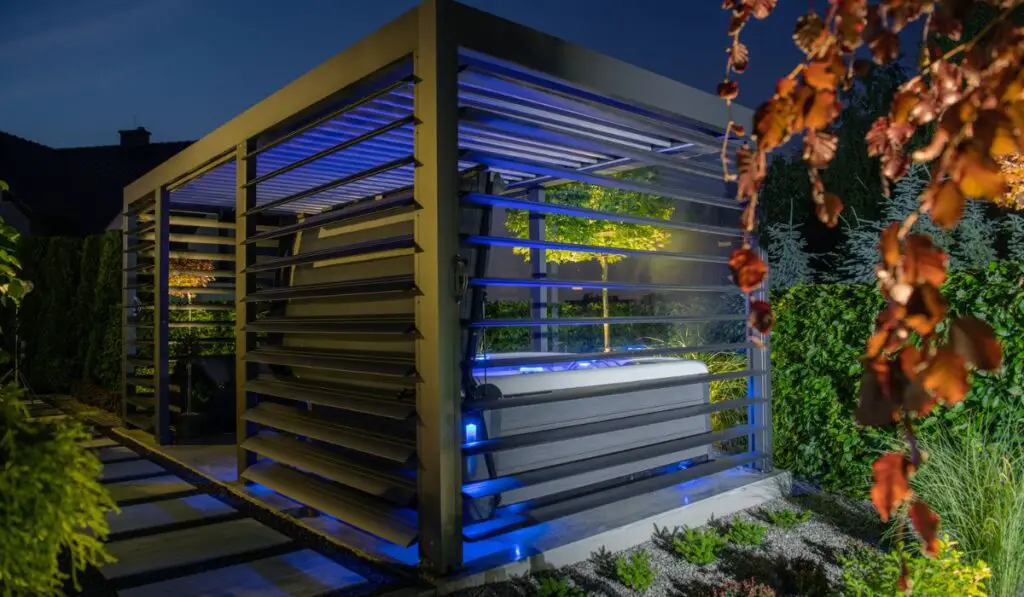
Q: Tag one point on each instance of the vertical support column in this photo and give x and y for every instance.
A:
(245, 284)
(540, 341)
(129, 228)
(759, 385)
(438, 437)
(161, 323)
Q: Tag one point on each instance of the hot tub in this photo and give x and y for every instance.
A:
(511, 382)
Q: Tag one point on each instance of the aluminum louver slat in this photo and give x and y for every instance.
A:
(367, 400)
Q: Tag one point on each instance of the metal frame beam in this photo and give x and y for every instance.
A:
(245, 284)
(437, 310)
(161, 318)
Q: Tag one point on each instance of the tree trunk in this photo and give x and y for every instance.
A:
(604, 305)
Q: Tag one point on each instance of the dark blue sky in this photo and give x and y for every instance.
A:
(73, 72)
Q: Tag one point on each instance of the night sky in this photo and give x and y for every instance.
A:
(73, 72)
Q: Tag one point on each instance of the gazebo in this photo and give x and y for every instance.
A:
(429, 345)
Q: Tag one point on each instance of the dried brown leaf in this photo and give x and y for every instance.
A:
(748, 269)
(976, 342)
(892, 474)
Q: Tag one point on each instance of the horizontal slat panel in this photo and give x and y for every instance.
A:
(501, 241)
(146, 382)
(365, 364)
(598, 494)
(595, 284)
(593, 214)
(577, 321)
(605, 390)
(352, 437)
(141, 421)
(373, 516)
(371, 325)
(359, 210)
(599, 179)
(560, 471)
(375, 478)
(498, 360)
(520, 440)
(365, 289)
(390, 404)
(366, 249)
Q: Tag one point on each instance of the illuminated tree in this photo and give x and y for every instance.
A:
(595, 232)
(188, 273)
(966, 104)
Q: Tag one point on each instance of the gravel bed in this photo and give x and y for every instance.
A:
(798, 561)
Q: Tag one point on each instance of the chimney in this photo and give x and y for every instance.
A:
(136, 137)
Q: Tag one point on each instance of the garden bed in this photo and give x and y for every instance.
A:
(802, 558)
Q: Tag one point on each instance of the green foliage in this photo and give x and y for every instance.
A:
(635, 571)
(788, 518)
(871, 573)
(975, 482)
(103, 357)
(744, 532)
(52, 504)
(819, 336)
(747, 588)
(698, 546)
(596, 232)
(557, 586)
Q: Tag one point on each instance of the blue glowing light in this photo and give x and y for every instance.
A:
(519, 553)
(470, 432)
(532, 369)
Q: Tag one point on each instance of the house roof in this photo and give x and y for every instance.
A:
(75, 191)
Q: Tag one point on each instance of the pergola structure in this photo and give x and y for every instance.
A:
(355, 218)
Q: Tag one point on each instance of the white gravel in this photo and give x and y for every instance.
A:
(800, 561)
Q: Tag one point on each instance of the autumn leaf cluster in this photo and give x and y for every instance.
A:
(968, 104)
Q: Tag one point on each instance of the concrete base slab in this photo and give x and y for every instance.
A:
(562, 544)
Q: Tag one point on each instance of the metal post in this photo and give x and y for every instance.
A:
(759, 385)
(538, 270)
(128, 281)
(161, 337)
(245, 284)
(438, 438)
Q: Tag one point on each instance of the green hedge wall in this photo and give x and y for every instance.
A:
(819, 336)
(71, 321)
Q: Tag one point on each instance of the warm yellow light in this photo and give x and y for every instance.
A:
(1013, 169)
(188, 273)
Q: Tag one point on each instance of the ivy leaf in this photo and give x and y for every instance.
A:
(885, 47)
(926, 524)
(750, 171)
(820, 148)
(975, 341)
(824, 73)
(748, 269)
(761, 317)
(829, 209)
(821, 110)
(925, 309)
(771, 123)
(876, 407)
(785, 87)
(946, 376)
(923, 262)
(878, 136)
(728, 89)
(761, 8)
(978, 174)
(889, 245)
(739, 57)
(945, 203)
(892, 473)
(810, 35)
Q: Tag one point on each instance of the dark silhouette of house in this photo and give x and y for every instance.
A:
(73, 191)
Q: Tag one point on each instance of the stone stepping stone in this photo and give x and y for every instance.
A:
(116, 454)
(155, 515)
(162, 551)
(128, 492)
(302, 573)
(130, 469)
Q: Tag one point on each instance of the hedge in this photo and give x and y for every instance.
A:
(819, 336)
(71, 322)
